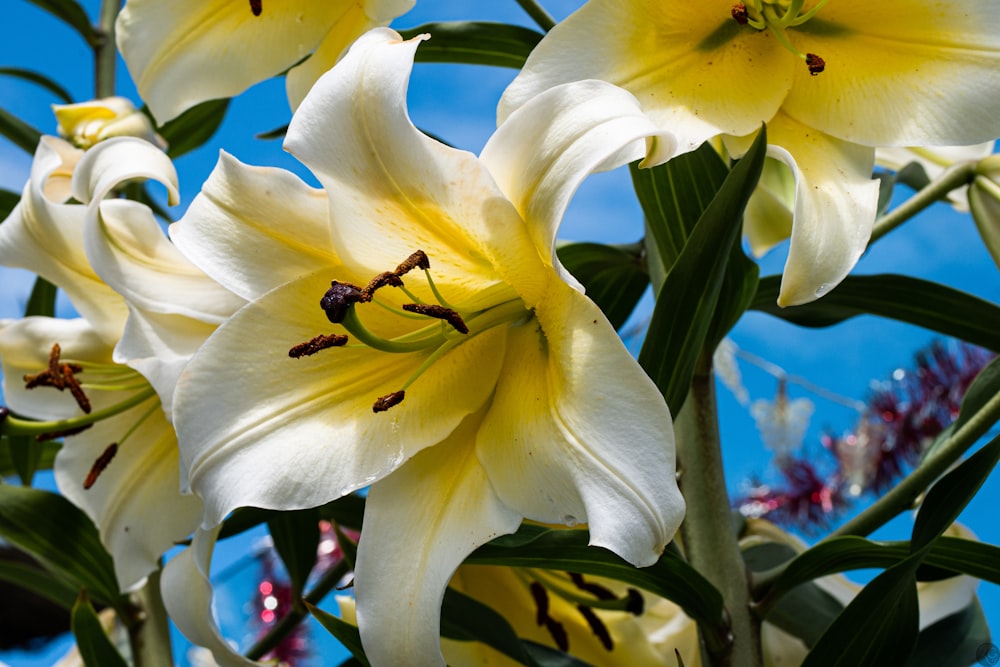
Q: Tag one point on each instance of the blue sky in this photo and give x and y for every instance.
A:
(457, 103)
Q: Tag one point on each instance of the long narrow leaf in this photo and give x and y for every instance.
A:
(93, 643)
(72, 13)
(467, 619)
(343, 631)
(475, 43)
(20, 133)
(40, 79)
(614, 278)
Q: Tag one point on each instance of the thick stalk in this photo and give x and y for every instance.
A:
(538, 14)
(148, 631)
(709, 540)
(104, 50)
(956, 176)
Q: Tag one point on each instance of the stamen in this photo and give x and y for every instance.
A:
(100, 464)
(558, 633)
(815, 63)
(256, 6)
(439, 312)
(65, 433)
(636, 603)
(60, 376)
(541, 597)
(317, 344)
(598, 591)
(597, 626)
(416, 260)
(740, 13)
(338, 300)
(389, 400)
(378, 282)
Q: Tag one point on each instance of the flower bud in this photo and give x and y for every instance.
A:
(86, 123)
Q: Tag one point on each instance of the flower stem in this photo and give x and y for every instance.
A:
(956, 176)
(538, 13)
(104, 49)
(148, 630)
(709, 539)
(326, 583)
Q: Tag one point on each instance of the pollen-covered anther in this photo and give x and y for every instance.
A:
(256, 7)
(740, 13)
(598, 591)
(597, 627)
(100, 465)
(60, 376)
(317, 344)
(439, 312)
(417, 260)
(383, 403)
(388, 278)
(53, 435)
(635, 602)
(339, 299)
(541, 598)
(815, 63)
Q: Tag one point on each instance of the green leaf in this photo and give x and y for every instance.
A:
(25, 455)
(466, 619)
(8, 202)
(686, 304)
(567, 550)
(37, 580)
(912, 300)
(952, 640)
(21, 134)
(949, 495)
(270, 135)
(976, 559)
(46, 457)
(42, 300)
(346, 511)
(673, 197)
(93, 643)
(474, 43)
(343, 631)
(72, 13)
(738, 289)
(983, 388)
(60, 536)
(193, 127)
(546, 656)
(296, 538)
(613, 277)
(40, 79)
(879, 626)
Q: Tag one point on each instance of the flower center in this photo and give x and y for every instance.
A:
(446, 326)
(137, 398)
(777, 16)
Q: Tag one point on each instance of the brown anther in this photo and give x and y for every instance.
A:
(541, 597)
(598, 591)
(60, 376)
(339, 298)
(256, 6)
(815, 63)
(439, 312)
(378, 282)
(740, 13)
(317, 344)
(53, 435)
(636, 603)
(100, 464)
(388, 401)
(558, 633)
(597, 627)
(417, 260)
(75, 389)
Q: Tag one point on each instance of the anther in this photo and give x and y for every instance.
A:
(100, 464)
(597, 627)
(417, 260)
(740, 13)
(815, 63)
(389, 400)
(541, 597)
(256, 6)
(53, 435)
(60, 376)
(378, 282)
(317, 344)
(439, 312)
(558, 633)
(636, 603)
(598, 591)
(338, 299)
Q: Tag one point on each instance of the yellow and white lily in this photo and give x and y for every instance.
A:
(832, 79)
(184, 52)
(470, 386)
(125, 374)
(85, 124)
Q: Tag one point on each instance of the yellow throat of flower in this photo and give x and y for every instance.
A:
(778, 16)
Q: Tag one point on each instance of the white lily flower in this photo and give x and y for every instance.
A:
(832, 80)
(536, 411)
(184, 52)
(124, 356)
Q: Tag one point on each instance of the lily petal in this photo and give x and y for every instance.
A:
(420, 523)
(835, 205)
(546, 148)
(554, 450)
(292, 433)
(767, 220)
(187, 595)
(713, 68)
(394, 190)
(274, 217)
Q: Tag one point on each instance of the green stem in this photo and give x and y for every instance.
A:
(538, 13)
(905, 494)
(148, 630)
(709, 539)
(326, 583)
(15, 426)
(104, 50)
(956, 176)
